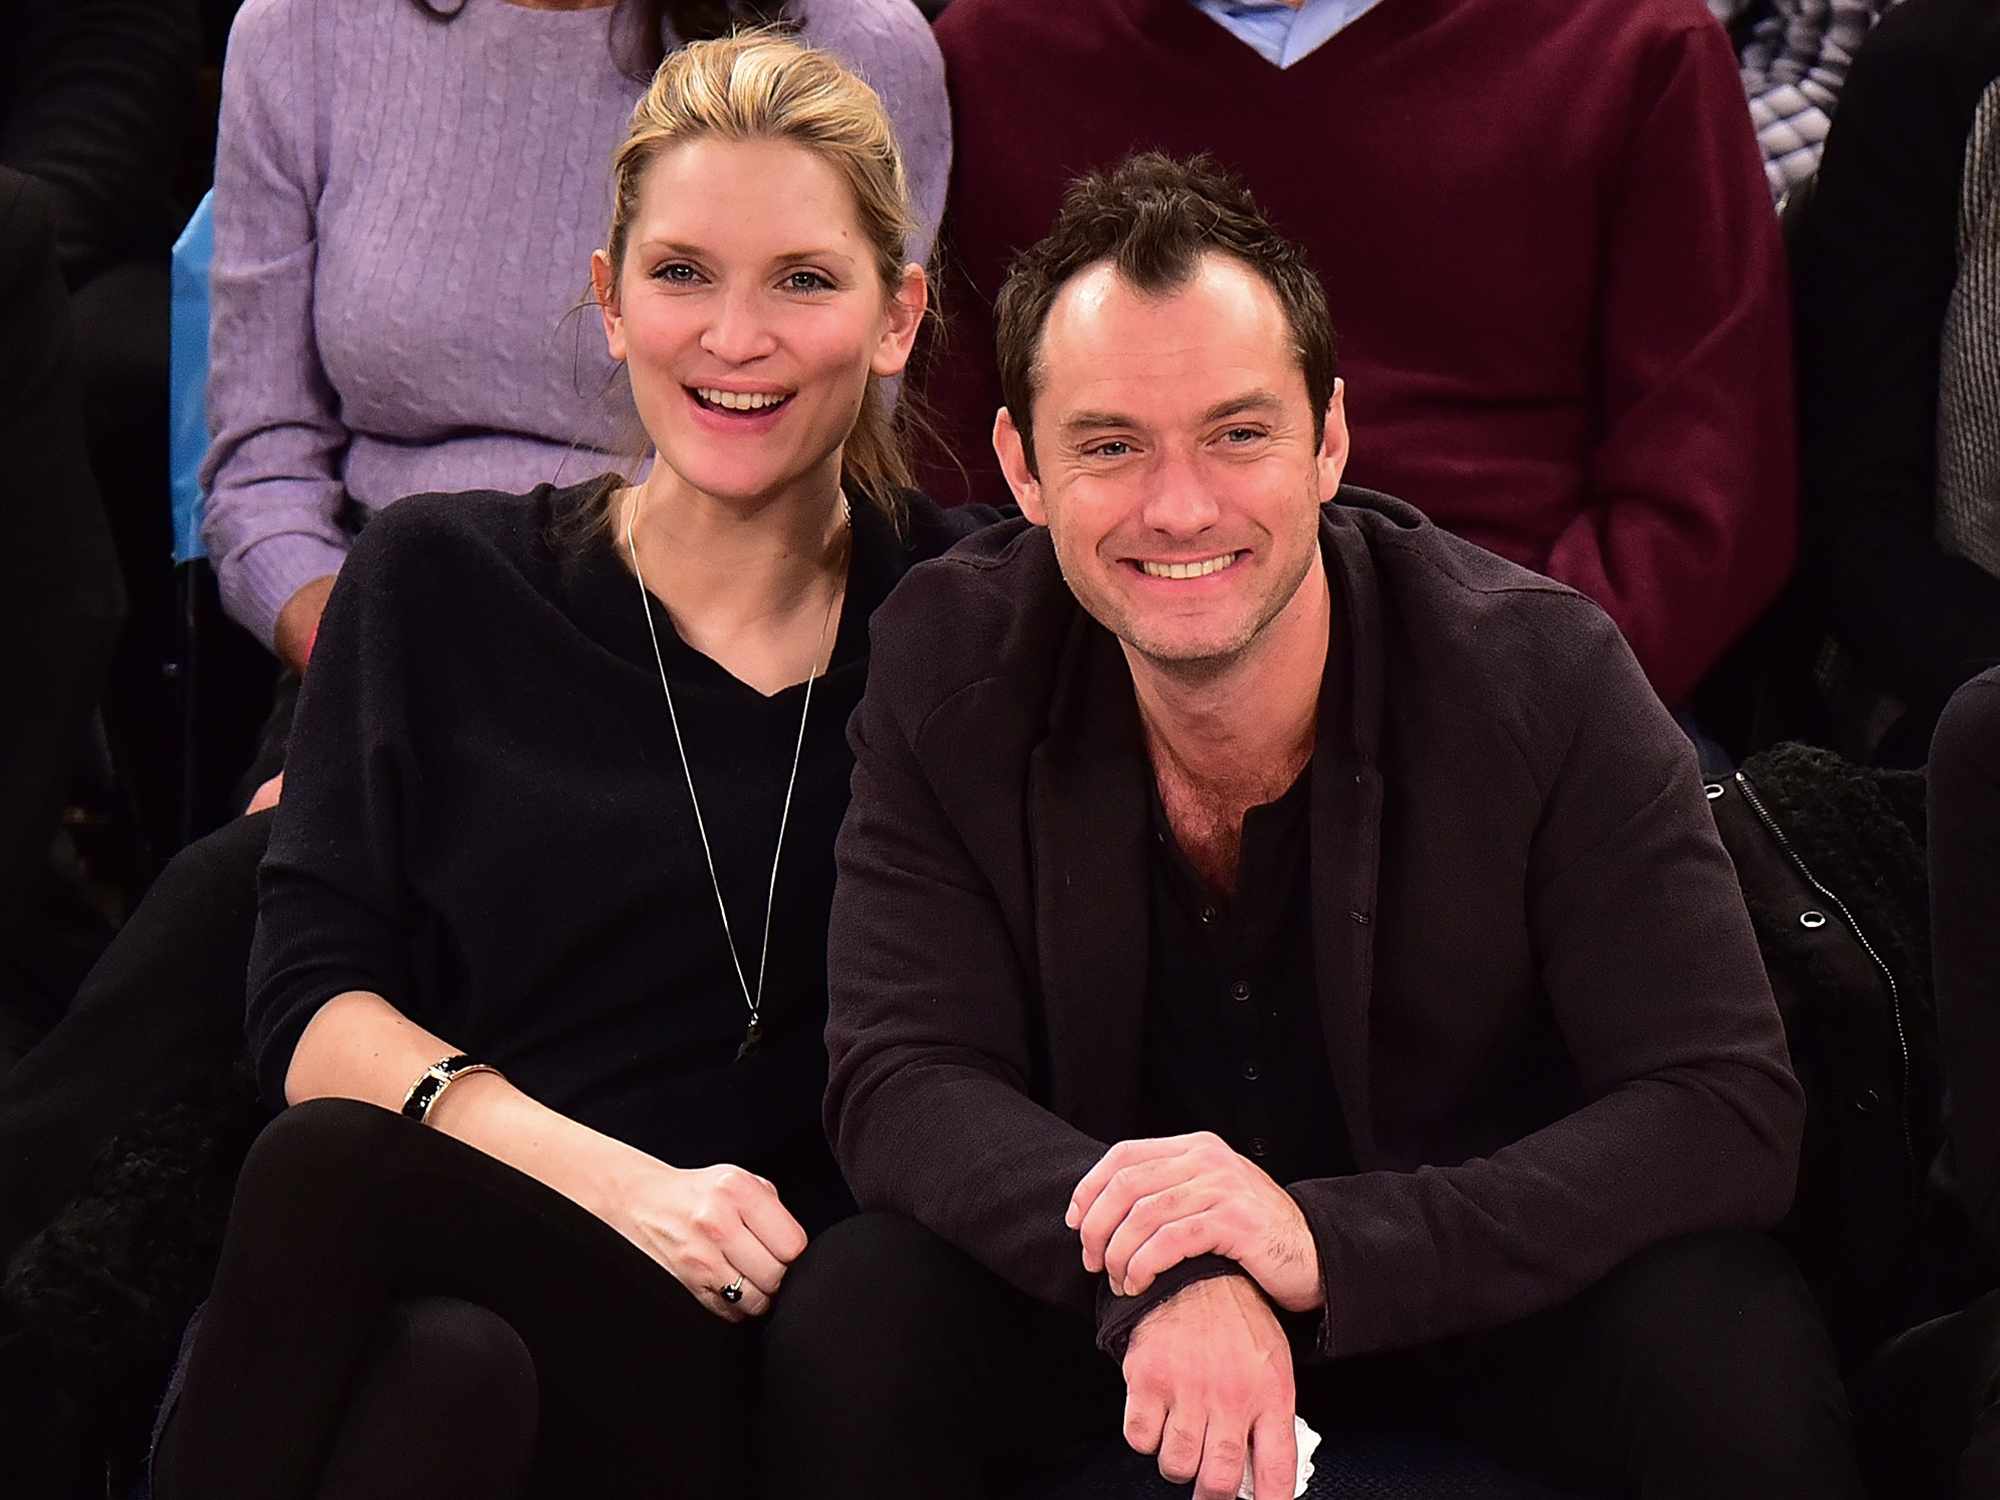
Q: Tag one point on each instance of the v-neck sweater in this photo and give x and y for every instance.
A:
(486, 821)
(1545, 237)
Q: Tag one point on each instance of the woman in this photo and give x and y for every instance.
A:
(406, 198)
(404, 191)
(551, 890)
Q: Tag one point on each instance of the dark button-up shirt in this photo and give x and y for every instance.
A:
(1233, 1040)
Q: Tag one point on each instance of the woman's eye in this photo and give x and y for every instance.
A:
(678, 272)
(807, 281)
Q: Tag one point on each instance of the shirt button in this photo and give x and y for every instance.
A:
(1207, 915)
(1250, 1072)
(1240, 990)
(1259, 1146)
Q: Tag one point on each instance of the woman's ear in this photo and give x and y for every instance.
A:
(604, 288)
(904, 316)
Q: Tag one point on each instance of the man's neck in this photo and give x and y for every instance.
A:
(1239, 735)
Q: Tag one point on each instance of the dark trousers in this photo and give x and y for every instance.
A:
(894, 1365)
(398, 1314)
(162, 1008)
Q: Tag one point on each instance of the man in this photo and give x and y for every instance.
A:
(1290, 936)
(1568, 334)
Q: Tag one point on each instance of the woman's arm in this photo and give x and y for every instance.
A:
(707, 1226)
(271, 475)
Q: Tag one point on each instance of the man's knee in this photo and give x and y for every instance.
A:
(1720, 1350)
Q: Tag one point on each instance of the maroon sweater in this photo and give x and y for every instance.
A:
(1545, 234)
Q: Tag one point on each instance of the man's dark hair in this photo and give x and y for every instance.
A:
(1154, 218)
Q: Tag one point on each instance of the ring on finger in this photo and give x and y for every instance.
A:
(733, 1293)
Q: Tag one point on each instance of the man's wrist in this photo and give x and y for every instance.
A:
(1119, 1317)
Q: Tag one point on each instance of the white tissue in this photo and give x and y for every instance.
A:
(1308, 1444)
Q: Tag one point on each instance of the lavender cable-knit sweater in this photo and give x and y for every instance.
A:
(404, 215)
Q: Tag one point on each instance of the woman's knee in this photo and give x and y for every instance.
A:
(319, 1160)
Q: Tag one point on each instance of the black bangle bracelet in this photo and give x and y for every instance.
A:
(435, 1079)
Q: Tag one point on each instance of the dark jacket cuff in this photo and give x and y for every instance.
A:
(1117, 1316)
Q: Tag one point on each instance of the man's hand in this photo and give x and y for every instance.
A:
(1151, 1204)
(1208, 1387)
(298, 622)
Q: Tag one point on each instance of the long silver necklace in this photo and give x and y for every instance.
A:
(753, 1000)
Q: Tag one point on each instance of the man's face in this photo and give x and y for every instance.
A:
(1180, 481)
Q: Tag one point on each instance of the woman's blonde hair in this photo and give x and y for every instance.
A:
(761, 85)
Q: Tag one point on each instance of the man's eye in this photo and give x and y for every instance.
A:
(1116, 448)
(807, 281)
(1241, 435)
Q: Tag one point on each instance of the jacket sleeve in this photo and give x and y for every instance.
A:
(1692, 521)
(334, 907)
(930, 1017)
(272, 470)
(1691, 1119)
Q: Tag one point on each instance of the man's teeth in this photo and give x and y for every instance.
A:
(1188, 570)
(739, 400)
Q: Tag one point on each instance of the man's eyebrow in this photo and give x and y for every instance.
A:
(1249, 401)
(1095, 421)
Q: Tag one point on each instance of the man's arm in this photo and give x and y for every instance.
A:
(1692, 521)
(1652, 972)
(928, 1032)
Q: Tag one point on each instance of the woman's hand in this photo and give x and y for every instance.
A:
(708, 1226)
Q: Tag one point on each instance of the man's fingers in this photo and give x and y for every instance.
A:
(1274, 1455)
(1170, 1244)
(1223, 1456)
(1145, 1416)
(1180, 1444)
(1125, 1190)
(1124, 1154)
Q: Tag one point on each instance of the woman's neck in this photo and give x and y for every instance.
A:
(742, 582)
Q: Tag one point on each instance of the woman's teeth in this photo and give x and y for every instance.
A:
(741, 400)
(1189, 570)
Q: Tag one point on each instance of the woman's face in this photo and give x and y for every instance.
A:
(750, 314)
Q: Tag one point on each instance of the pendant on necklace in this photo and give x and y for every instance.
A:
(752, 1035)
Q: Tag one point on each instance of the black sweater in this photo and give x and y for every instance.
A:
(485, 821)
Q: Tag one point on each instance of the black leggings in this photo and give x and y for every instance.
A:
(397, 1313)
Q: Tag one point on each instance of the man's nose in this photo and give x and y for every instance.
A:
(1178, 501)
(739, 331)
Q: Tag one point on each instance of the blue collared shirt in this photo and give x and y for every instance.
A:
(1280, 34)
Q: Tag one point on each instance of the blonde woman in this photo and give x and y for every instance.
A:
(540, 960)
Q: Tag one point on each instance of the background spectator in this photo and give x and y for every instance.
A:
(1895, 264)
(1795, 56)
(1544, 232)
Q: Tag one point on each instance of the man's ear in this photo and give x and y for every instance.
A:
(604, 288)
(905, 317)
(1013, 454)
(1332, 458)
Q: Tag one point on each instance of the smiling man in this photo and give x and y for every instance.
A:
(1286, 942)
